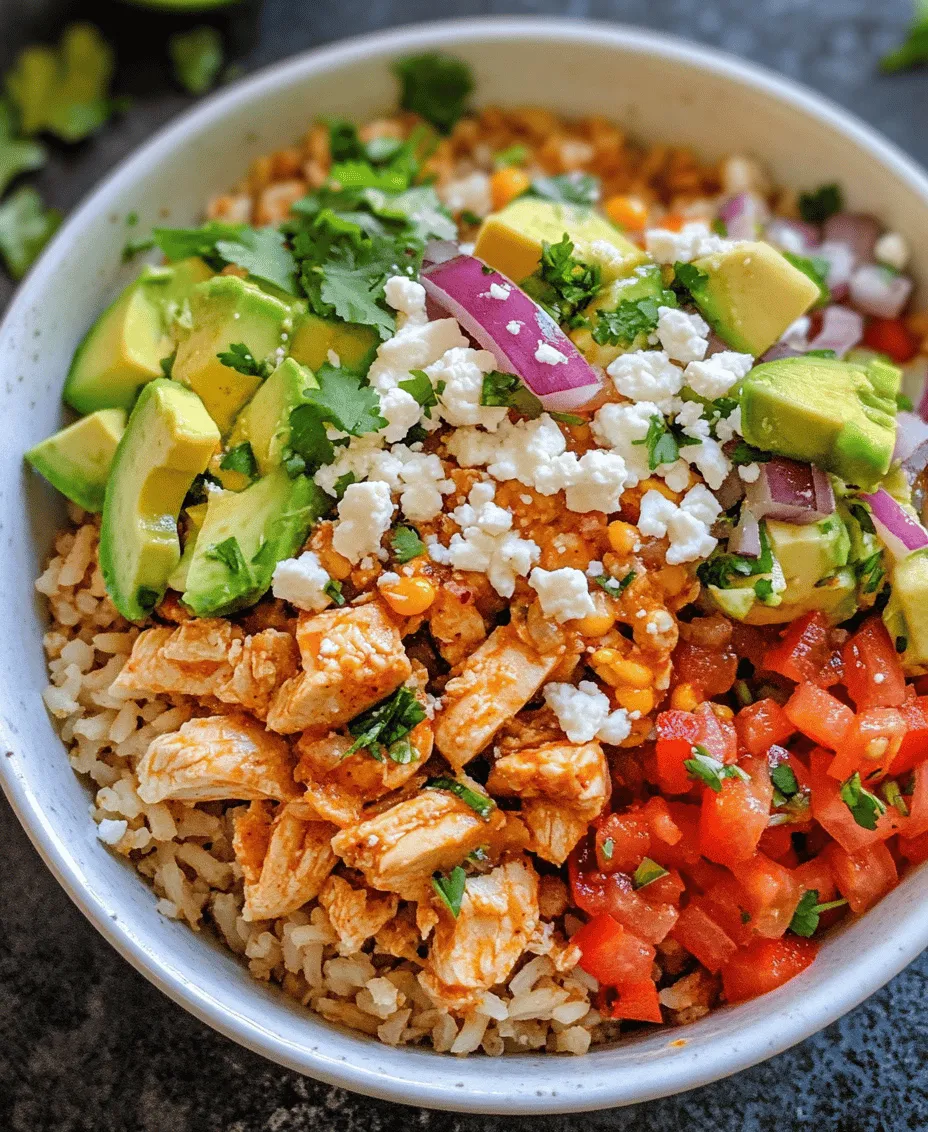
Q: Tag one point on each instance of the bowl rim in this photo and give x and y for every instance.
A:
(833, 995)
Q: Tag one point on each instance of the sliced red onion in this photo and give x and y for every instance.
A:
(856, 229)
(841, 330)
(897, 530)
(745, 538)
(779, 350)
(744, 216)
(523, 337)
(911, 431)
(791, 492)
(841, 263)
(879, 291)
(440, 251)
(792, 235)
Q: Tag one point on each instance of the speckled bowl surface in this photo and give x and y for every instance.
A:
(663, 89)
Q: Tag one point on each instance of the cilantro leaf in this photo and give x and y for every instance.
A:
(450, 889)
(630, 319)
(815, 207)
(17, 155)
(229, 553)
(385, 727)
(784, 779)
(708, 770)
(568, 188)
(196, 57)
(345, 400)
(720, 569)
(647, 872)
(914, 48)
(309, 442)
(744, 453)
(816, 268)
(435, 86)
(893, 795)
(870, 572)
(763, 589)
(26, 226)
(482, 804)
(406, 544)
(333, 589)
(808, 910)
(501, 390)
(360, 174)
(420, 207)
(866, 808)
(350, 285)
(608, 848)
(664, 442)
(263, 253)
(516, 154)
(614, 587)
(419, 387)
(240, 459)
(344, 143)
(688, 277)
(563, 284)
(181, 243)
(343, 483)
(242, 360)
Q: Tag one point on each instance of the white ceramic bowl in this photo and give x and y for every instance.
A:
(663, 89)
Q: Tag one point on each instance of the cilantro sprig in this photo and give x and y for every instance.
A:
(664, 442)
(707, 769)
(721, 569)
(632, 319)
(568, 188)
(26, 226)
(229, 553)
(241, 459)
(563, 284)
(914, 48)
(197, 57)
(615, 587)
(809, 910)
(419, 387)
(435, 86)
(384, 728)
(242, 360)
(406, 544)
(450, 889)
(866, 808)
(481, 804)
(817, 206)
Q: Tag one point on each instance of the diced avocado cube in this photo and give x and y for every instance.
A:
(77, 459)
(510, 240)
(226, 311)
(168, 441)
(265, 421)
(171, 284)
(314, 338)
(906, 612)
(751, 294)
(808, 552)
(645, 282)
(244, 536)
(195, 516)
(839, 415)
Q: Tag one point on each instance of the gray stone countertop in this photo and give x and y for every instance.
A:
(86, 1044)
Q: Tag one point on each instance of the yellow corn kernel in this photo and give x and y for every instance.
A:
(409, 596)
(673, 579)
(641, 729)
(627, 212)
(507, 184)
(634, 699)
(632, 674)
(602, 661)
(622, 537)
(723, 712)
(596, 624)
(334, 564)
(684, 698)
(652, 483)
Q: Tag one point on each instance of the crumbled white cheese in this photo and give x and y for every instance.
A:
(468, 194)
(892, 250)
(406, 296)
(675, 475)
(729, 426)
(111, 832)
(401, 411)
(595, 482)
(302, 582)
(750, 473)
(563, 594)
(711, 461)
(417, 343)
(388, 578)
(742, 175)
(595, 569)
(692, 241)
(646, 375)
(584, 713)
(549, 355)
(500, 291)
(514, 326)
(458, 375)
(364, 516)
(683, 336)
(717, 374)
(686, 526)
(333, 358)
(618, 426)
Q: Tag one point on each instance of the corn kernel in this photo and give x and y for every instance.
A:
(409, 596)
(673, 579)
(627, 212)
(602, 661)
(507, 184)
(684, 698)
(641, 729)
(634, 699)
(334, 564)
(622, 537)
(633, 674)
(596, 624)
(723, 712)
(652, 483)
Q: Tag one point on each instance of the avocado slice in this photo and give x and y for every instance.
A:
(195, 515)
(839, 415)
(265, 421)
(168, 440)
(906, 612)
(226, 311)
(314, 338)
(645, 282)
(510, 240)
(749, 294)
(243, 537)
(808, 552)
(77, 459)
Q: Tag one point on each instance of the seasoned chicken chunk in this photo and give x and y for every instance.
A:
(191, 659)
(356, 913)
(260, 664)
(216, 758)
(563, 787)
(297, 860)
(456, 623)
(352, 658)
(479, 948)
(400, 936)
(496, 682)
(399, 849)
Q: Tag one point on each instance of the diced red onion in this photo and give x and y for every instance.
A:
(745, 538)
(841, 263)
(744, 215)
(897, 530)
(791, 492)
(780, 350)
(462, 287)
(856, 229)
(792, 235)
(842, 328)
(440, 251)
(879, 291)
(732, 489)
(911, 431)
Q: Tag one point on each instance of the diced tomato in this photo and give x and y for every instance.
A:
(917, 822)
(873, 674)
(635, 1000)
(660, 822)
(819, 715)
(914, 849)
(762, 724)
(587, 883)
(611, 954)
(703, 938)
(713, 671)
(684, 852)
(914, 746)
(804, 649)
(677, 733)
(777, 844)
(665, 890)
(650, 922)
(871, 742)
(765, 965)
(731, 822)
(835, 817)
(724, 902)
(771, 894)
(864, 877)
(717, 735)
(621, 841)
(890, 336)
(816, 873)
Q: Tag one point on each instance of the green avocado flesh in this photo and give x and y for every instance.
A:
(265, 421)
(243, 537)
(315, 338)
(645, 282)
(906, 612)
(168, 441)
(77, 459)
(839, 415)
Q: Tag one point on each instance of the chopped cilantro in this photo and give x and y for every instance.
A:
(614, 587)
(808, 910)
(242, 360)
(17, 155)
(744, 453)
(866, 808)
(196, 57)
(608, 848)
(167, 364)
(631, 319)
(647, 872)
(720, 569)
(742, 693)
(385, 727)
(309, 442)
(914, 48)
(708, 770)
(566, 284)
(333, 589)
(820, 354)
(688, 276)
(719, 227)
(343, 483)
(664, 442)
(344, 143)
(468, 217)
(904, 404)
(568, 188)
(893, 796)
(240, 459)
(450, 889)
(870, 572)
(784, 779)
(435, 86)
(816, 268)
(135, 246)
(229, 553)
(816, 207)
(345, 400)
(26, 226)
(181, 243)
(419, 387)
(506, 390)
(516, 154)
(763, 589)
(862, 514)
(480, 803)
(263, 253)
(406, 544)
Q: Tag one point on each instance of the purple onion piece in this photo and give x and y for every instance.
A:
(744, 215)
(856, 229)
(878, 291)
(911, 433)
(790, 492)
(897, 530)
(841, 263)
(732, 489)
(792, 235)
(745, 538)
(842, 328)
(439, 251)
(780, 350)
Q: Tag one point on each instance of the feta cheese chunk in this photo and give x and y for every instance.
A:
(687, 526)
(692, 241)
(716, 375)
(683, 336)
(563, 594)
(646, 375)
(302, 582)
(468, 194)
(459, 374)
(364, 517)
(892, 250)
(584, 713)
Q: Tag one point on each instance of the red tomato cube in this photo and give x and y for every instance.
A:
(703, 938)
(761, 725)
(864, 877)
(732, 822)
(635, 1000)
(819, 715)
(765, 965)
(870, 743)
(804, 649)
(611, 954)
(873, 673)
(771, 894)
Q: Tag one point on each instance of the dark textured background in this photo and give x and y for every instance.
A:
(86, 1045)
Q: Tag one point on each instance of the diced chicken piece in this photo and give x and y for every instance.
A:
(563, 787)
(191, 659)
(456, 623)
(399, 849)
(497, 681)
(356, 913)
(260, 664)
(352, 658)
(297, 860)
(400, 937)
(478, 949)
(217, 758)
